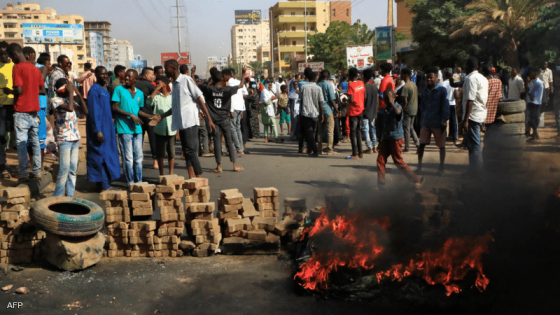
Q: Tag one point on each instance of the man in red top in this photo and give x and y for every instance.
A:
(386, 84)
(356, 98)
(28, 84)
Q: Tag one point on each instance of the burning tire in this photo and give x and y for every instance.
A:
(67, 216)
(504, 142)
(511, 107)
(508, 129)
(501, 166)
(502, 154)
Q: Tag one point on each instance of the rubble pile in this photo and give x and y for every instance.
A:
(19, 239)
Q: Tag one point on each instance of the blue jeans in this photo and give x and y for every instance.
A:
(370, 134)
(473, 145)
(236, 134)
(69, 152)
(132, 157)
(27, 129)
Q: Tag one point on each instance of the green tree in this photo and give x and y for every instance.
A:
(330, 47)
(543, 42)
(431, 29)
(257, 67)
(401, 36)
(511, 20)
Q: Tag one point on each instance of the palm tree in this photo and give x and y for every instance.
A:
(511, 20)
(360, 34)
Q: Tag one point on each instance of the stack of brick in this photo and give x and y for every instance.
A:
(291, 226)
(203, 227)
(117, 216)
(145, 243)
(141, 200)
(172, 209)
(235, 213)
(266, 204)
(19, 239)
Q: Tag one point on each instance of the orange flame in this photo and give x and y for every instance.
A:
(457, 257)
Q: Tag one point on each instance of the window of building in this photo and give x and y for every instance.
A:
(293, 28)
(254, 30)
(333, 12)
(312, 13)
(312, 27)
(240, 30)
(347, 12)
(293, 14)
(293, 43)
(65, 22)
(36, 17)
(266, 54)
(9, 35)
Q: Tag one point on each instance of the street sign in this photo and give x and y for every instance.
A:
(48, 33)
(136, 64)
(182, 58)
(316, 66)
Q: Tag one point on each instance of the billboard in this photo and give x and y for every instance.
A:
(247, 17)
(212, 59)
(183, 58)
(96, 47)
(384, 43)
(137, 64)
(316, 66)
(360, 57)
(45, 33)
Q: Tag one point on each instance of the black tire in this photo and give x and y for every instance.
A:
(500, 154)
(509, 167)
(66, 219)
(507, 129)
(504, 141)
(511, 107)
(512, 118)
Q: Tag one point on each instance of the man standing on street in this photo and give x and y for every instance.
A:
(370, 112)
(311, 96)
(434, 114)
(516, 86)
(534, 104)
(386, 83)
(452, 95)
(127, 103)
(409, 97)
(6, 105)
(28, 85)
(102, 154)
(494, 94)
(237, 109)
(356, 98)
(475, 96)
(145, 84)
(329, 107)
(548, 81)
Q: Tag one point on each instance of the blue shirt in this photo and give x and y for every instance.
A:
(328, 95)
(413, 79)
(434, 107)
(536, 88)
(392, 124)
(125, 125)
(344, 87)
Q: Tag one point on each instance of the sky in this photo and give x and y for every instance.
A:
(149, 26)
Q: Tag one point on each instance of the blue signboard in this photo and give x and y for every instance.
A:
(45, 33)
(138, 64)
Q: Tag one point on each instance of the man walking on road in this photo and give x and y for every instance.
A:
(475, 96)
(534, 104)
(409, 104)
(237, 109)
(356, 98)
(329, 107)
(311, 96)
(434, 113)
(370, 112)
(452, 95)
(145, 84)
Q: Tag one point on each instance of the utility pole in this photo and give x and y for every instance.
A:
(178, 26)
(272, 42)
(305, 14)
(390, 13)
(279, 58)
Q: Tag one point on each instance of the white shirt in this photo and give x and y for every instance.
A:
(185, 111)
(440, 76)
(266, 95)
(516, 87)
(450, 92)
(475, 89)
(237, 100)
(546, 77)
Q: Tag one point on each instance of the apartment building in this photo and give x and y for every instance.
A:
(288, 24)
(11, 30)
(246, 39)
(404, 17)
(121, 53)
(93, 31)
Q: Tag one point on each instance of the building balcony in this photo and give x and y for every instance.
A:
(294, 34)
(294, 19)
(284, 49)
(296, 5)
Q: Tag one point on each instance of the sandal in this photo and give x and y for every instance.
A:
(216, 171)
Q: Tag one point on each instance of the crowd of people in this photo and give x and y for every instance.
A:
(41, 101)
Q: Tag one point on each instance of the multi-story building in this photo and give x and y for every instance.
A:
(404, 17)
(92, 39)
(121, 53)
(263, 57)
(288, 24)
(11, 30)
(245, 39)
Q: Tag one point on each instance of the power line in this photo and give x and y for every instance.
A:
(146, 16)
(183, 8)
(358, 3)
(154, 8)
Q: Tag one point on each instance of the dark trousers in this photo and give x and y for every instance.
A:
(337, 134)
(300, 133)
(356, 134)
(203, 138)
(453, 124)
(379, 124)
(309, 125)
(189, 145)
(224, 127)
(146, 128)
(534, 116)
(245, 126)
